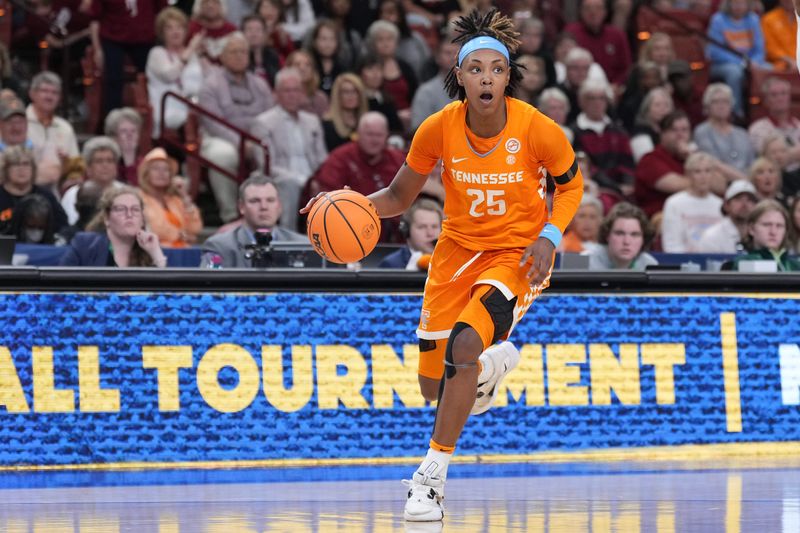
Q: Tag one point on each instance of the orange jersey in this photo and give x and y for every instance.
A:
(495, 188)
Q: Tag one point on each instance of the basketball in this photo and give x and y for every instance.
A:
(343, 226)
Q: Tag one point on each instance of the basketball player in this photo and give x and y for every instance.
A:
(495, 253)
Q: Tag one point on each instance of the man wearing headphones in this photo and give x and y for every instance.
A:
(420, 226)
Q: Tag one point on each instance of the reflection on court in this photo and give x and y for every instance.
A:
(566, 500)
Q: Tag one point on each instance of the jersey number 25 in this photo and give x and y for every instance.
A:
(495, 204)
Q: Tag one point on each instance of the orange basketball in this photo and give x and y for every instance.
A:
(343, 226)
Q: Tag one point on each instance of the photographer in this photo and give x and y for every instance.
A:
(261, 208)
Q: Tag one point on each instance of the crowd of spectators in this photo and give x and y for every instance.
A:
(333, 91)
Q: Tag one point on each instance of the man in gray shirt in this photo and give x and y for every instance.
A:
(261, 208)
(431, 96)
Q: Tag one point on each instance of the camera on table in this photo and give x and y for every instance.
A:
(260, 253)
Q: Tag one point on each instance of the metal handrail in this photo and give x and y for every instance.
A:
(244, 137)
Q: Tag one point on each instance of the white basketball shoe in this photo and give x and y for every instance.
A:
(500, 359)
(425, 501)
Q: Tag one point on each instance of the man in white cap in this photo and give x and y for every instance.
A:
(725, 236)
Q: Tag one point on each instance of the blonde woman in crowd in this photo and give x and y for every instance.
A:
(348, 104)
(766, 178)
(169, 210)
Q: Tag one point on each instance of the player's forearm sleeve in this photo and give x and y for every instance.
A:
(566, 199)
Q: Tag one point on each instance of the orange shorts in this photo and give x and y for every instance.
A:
(457, 279)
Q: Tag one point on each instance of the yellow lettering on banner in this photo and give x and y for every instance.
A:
(53, 524)
(93, 399)
(621, 375)
(733, 509)
(665, 517)
(561, 373)
(11, 394)
(332, 387)
(629, 518)
(390, 375)
(534, 523)
(528, 378)
(730, 372)
(664, 357)
(601, 522)
(498, 520)
(168, 522)
(299, 394)
(46, 398)
(243, 393)
(167, 360)
(568, 517)
(104, 524)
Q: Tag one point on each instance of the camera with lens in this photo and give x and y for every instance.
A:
(260, 253)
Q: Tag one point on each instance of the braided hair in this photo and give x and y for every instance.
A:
(492, 24)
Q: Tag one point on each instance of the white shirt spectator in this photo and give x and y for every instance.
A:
(686, 217)
(720, 238)
(167, 72)
(52, 140)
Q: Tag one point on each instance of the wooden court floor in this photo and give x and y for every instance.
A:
(570, 498)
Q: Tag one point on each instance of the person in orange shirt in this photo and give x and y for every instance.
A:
(779, 26)
(168, 208)
(495, 253)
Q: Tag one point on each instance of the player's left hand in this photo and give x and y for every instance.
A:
(540, 252)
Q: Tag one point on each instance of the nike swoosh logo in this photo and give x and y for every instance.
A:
(459, 160)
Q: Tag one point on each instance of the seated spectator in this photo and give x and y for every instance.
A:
(794, 213)
(726, 236)
(681, 81)
(660, 173)
(399, 80)
(602, 140)
(577, 63)
(643, 78)
(533, 79)
(264, 60)
(776, 150)
(170, 213)
(765, 175)
(688, 213)
(295, 140)
(34, 222)
(776, 93)
(339, 12)
(411, 46)
(17, 181)
(371, 72)
(532, 42)
(120, 31)
(260, 207)
(298, 18)
(209, 19)
(238, 95)
(779, 27)
(173, 66)
(555, 104)
(584, 230)
(53, 137)
(768, 237)
(624, 235)
(14, 125)
(348, 105)
(655, 106)
(431, 95)
(659, 50)
(101, 155)
(74, 174)
(738, 27)
(365, 165)
(316, 99)
(124, 126)
(564, 45)
(117, 236)
(86, 204)
(323, 43)
(272, 13)
(719, 137)
(608, 43)
(421, 225)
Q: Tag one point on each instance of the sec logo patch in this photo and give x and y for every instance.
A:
(512, 145)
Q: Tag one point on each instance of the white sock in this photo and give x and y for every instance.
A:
(487, 367)
(435, 464)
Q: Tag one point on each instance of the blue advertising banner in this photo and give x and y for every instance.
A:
(121, 379)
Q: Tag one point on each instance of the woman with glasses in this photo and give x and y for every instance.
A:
(117, 236)
(169, 210)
